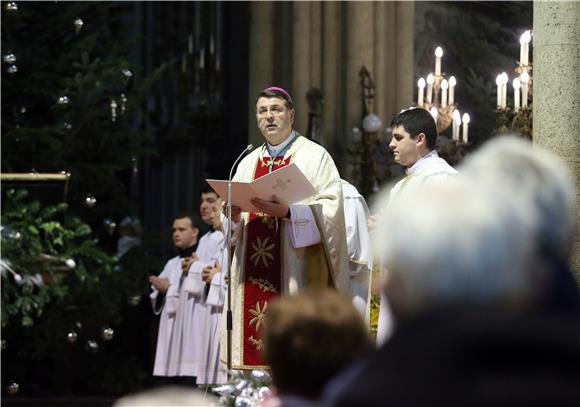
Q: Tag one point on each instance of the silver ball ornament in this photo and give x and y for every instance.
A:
(134, 300)
(78, 25)
(92, 346)
(72, 337)
(13, 388)
(107, 333)
(11, 6)
(9, 58)
(63, 100)
(90, 201)
(12, 69)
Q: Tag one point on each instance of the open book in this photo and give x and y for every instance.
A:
(288, 183)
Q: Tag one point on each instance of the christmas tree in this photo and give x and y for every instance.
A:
(71, 102)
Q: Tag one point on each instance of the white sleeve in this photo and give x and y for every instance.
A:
(302, 230)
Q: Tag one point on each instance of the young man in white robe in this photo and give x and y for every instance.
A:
(175, 354)
(283, 248)
(211, 288)
(413, 146)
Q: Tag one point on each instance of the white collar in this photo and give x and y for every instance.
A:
(275, 150)
(422, 162)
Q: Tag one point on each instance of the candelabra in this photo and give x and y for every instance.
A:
(365, 141)
(439, 100)
(519, 118)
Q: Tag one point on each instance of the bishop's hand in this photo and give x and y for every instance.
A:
(273, 208)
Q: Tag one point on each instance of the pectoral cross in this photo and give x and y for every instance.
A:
(281, 184)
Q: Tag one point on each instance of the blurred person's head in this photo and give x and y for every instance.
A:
(534, 178)
(454, 245)
(414, 134)
(309, 338)
(536, 181)
(169, 396)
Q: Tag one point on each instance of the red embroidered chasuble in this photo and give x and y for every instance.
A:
(263, 271)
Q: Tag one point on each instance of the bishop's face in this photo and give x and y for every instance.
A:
(274, 119)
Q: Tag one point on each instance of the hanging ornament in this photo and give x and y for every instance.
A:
(70, 263)
(128, 74)
(134, 300)
(90, 201)
(13, 388)
(4, 344)
(12, 69)
(67, 126)
(78, 25)
(11, 6)
(107, 333)
(109, 226)
(92, 346)
(9, 58)
(63, 100)
(18, 279)
(79, 325)
(113, 110)
(123, 103)
(135, 165)
(72, 337)
(9, 233)
(23, 109)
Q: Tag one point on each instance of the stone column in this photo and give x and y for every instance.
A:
(261, 59)
(404, 49)
(331, 83)
(301, 63)
(556, 88)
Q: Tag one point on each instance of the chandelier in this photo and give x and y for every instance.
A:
(437, 95)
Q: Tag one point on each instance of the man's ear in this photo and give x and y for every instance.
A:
(421, 140)
(292, 112)
(195, 232)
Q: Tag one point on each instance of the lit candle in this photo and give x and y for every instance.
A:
(438, 55)
(434, 113)
(524, 47)
(452, 83)
(421, 86)
(430, 81)
(516, 84)
(465, 126)
(456, 124)
(504, 82)
(498, 82)
(525, 78)
(444, 86)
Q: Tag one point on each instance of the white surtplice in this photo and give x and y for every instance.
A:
(183, 326)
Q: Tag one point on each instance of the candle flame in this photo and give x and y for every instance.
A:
(526, 37)
(465, 118)
(439, 52)
(452, 81)
(421, 83)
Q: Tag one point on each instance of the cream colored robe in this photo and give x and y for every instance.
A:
(327, 208)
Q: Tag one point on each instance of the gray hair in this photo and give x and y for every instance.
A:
(537, 180)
